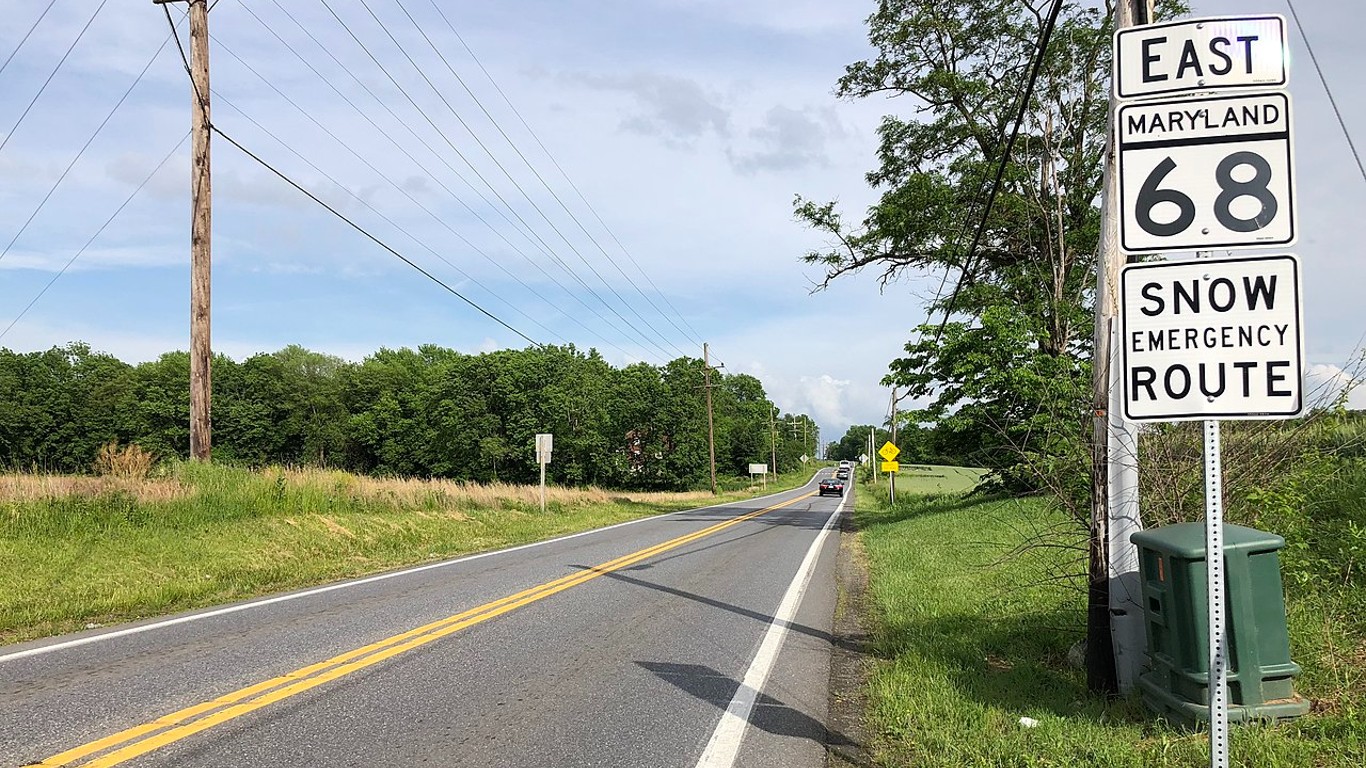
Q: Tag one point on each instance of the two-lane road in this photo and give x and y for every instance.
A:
(698, 638)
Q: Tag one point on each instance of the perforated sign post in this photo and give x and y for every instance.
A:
(1206, 173)
(1215, 338)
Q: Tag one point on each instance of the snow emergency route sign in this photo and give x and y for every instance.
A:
(1212, 339)
(1207, 173)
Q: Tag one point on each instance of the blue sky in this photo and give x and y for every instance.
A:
(688, 124)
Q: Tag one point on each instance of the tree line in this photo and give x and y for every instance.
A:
(428, 412)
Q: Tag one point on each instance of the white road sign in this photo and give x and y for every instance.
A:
(758, 469)
(1208, 173)
(1212, 339)
(545, 443)
(1201, 55)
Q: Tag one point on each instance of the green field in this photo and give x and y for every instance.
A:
(79, 551)
(970, 636)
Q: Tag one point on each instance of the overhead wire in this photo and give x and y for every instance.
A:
(405, 125)
(52, 74)
(1329, 91)
(373, 238)
(25, 38)
(386, 134)
(528, 232)
(81, 153)
(370, 236)
(494, 121)
(79, 252)
(1036, 65)
(227, 102)
(499, 165)
(695, 337)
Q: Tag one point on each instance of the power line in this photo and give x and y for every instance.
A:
(696, 337)
(84, 147)
(378, 172)
(36, 22)
(536, 173)
(421, 73)
(1332, 101)
(95, 236)
(423, 169)
(51, 75)
(534, 237)
(1035, 66)
(371, 237)
(223, 99)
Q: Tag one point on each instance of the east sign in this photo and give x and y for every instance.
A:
(1200, 55)
(1212, 339)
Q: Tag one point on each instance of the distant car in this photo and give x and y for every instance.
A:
(842, 473)
(832, 485)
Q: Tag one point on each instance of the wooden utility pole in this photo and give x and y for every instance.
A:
(1114, 625)
(773, 435)
(201, 207)
(711, 426)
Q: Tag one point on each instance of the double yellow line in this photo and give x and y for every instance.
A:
(141, 739)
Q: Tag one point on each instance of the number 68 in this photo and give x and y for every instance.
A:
(1151, 194)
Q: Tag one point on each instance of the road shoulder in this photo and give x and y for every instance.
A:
(850, 662)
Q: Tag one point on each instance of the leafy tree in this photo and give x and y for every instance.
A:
(430, 412)
(1017, 342)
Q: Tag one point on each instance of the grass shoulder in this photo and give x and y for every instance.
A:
(970, 634)
(80, 552)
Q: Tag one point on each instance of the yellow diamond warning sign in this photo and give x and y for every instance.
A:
(889, 451)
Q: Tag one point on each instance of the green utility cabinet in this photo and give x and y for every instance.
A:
(1260, 672)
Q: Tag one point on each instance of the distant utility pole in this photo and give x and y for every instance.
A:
(201, 208)
(773, 436)
(872, 453)
(1115, 642)
(711, 427)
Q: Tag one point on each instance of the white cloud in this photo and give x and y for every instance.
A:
(1324, 383)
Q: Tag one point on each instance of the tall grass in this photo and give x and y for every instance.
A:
(968, 639)
(82, 550)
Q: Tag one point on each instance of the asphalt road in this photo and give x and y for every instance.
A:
(700, 638)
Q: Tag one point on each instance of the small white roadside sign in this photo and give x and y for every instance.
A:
(1212, 339)
(1201, 174)
(1195, 55)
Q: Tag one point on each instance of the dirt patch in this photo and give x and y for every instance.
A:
(850, 664)
(336, 527)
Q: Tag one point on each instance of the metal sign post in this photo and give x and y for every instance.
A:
(545, 443)
(759, 469)
(1214, 577)
(889, 452)
(1215, 338)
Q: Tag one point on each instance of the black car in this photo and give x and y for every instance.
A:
(832, 485)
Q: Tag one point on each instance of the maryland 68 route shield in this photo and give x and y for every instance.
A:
(1202, 174)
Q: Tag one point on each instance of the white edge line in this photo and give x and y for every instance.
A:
(724, 746)
(44, 649)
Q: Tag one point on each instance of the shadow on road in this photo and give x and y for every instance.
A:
(769, 714)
